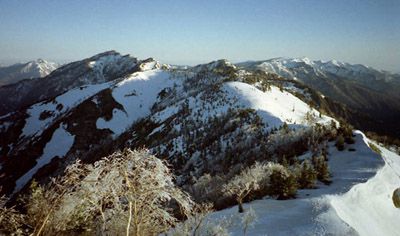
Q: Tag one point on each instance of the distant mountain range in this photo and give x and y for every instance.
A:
(370, 92)
(33, 69)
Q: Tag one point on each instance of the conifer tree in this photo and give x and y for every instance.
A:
(322, 169)
(308, 175)
(283, 184)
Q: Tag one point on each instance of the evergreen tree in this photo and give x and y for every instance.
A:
(322, 169)
(283, 184)
(308, 175)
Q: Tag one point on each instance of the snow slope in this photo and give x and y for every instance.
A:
(358, 202)
(136, 94)
(274, 106)
(60, 105)
(59, 145)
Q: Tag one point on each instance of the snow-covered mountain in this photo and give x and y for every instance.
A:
(33, 69)
(362, 88)
(97, 69)
(209, 122)
(298, 68)
(97, 114)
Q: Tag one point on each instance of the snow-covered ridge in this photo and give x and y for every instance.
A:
(358, 202)
(285, 66)
(368, 207)
(274, 106)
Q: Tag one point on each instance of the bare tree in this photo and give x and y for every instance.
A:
(247, 181)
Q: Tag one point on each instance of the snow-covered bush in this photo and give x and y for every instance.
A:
(129, 192)
(207, 188)
(255, 180)
(247, 181)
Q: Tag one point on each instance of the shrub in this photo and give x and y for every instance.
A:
(207, 188)
(11, 221)
(282, 184)
(322, 169)
(307, 176)
(349, 140)
(340, 143)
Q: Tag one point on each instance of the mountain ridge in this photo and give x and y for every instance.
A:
(361, 88)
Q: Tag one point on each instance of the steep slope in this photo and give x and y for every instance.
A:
(363, 89)
(33, 69)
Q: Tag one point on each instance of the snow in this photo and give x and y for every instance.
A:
(368, 207)
(274, 106)
(149, 65)
(147, 84)
(59, 145)
(103, 61)
(72, 98)
(358, 202)
(156, 130)
(39, 67)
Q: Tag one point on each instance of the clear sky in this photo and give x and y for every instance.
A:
(197, 31)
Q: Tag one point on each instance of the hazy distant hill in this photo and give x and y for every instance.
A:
(33, 69)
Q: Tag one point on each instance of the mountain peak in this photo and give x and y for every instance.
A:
(40, 61)
(29, 70)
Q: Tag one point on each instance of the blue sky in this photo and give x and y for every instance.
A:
(191, 32)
